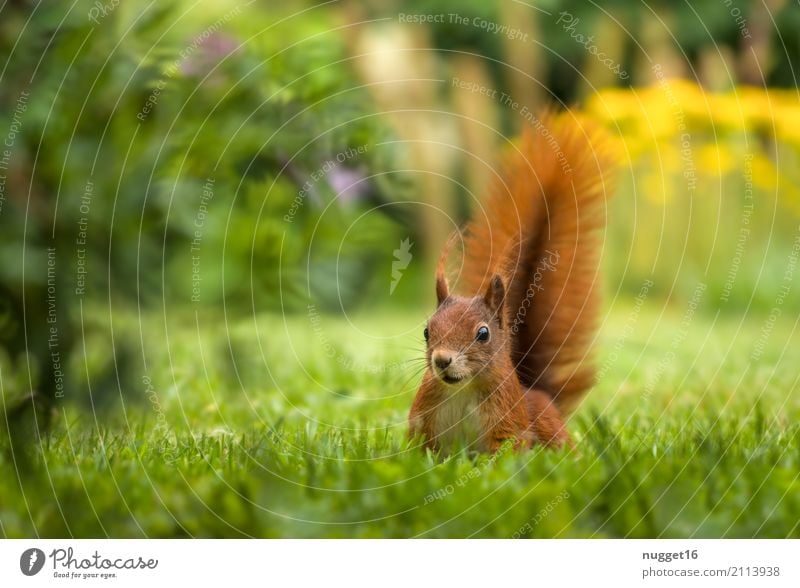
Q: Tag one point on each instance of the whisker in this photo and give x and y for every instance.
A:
(413, 376)
(415, 359)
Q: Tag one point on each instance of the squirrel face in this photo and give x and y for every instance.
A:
(466, 335)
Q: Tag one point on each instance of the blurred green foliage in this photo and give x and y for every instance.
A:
(143, 110)
(183, 155)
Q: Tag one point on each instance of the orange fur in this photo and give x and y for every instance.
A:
(530, 275)
(535, 213)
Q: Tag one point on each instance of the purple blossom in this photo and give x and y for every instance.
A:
(348, 183)
(205, 51)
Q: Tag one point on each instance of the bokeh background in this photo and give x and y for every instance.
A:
(209, 209)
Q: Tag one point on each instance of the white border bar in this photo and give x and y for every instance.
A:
(408, 564)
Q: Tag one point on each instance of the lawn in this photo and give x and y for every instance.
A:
(691, 432)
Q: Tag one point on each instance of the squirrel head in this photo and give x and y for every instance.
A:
(466, 334)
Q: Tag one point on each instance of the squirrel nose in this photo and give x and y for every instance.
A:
(442, 360)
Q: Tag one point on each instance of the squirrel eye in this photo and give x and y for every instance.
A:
(483, 334)
(426, 333)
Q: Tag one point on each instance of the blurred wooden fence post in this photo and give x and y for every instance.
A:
(479, 124)
(526, 68)
(755, 58)
(398, 63)
(611, 39)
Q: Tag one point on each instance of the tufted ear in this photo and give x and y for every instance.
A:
(442, 287)
(495, 296)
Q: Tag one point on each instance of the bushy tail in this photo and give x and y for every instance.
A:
(541, 229)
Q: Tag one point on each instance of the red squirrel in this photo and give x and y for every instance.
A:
(510, 358)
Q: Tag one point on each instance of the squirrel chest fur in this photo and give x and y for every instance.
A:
(459, 420)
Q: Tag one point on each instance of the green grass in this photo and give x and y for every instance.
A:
(684, 436)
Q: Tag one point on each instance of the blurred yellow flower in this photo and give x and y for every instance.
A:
(614, 106)
(674, 132)
(654, 187)
(765, 174)
(715, 158)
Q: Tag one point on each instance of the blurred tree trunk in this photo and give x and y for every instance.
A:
(398, 64)
(654, 35)
(526, 67)
(479, 125)
(755, 59)
(611, 41)
(715, 69)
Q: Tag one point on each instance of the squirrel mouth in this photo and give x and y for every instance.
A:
(451, 379)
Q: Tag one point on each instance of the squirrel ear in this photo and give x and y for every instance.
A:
(495, 296)
(442, 288)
